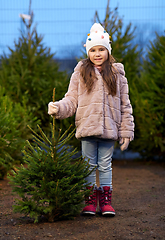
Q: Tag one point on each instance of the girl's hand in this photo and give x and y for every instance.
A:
(52, 108)
(124, 142)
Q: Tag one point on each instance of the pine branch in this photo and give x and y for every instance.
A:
(35, 134)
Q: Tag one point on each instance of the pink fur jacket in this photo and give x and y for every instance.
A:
(97, 113)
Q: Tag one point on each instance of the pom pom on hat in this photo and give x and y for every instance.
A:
(98, 36)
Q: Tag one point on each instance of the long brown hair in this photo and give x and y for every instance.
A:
(108, 74)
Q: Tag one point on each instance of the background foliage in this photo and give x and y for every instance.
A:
(149, 96)
(30, 72)
(14, 118)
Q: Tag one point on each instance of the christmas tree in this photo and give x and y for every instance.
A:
(53, 182)
(149, 111)
(30, 72)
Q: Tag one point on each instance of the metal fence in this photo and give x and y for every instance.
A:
(65, 23)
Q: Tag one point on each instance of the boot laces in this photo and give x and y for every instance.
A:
(91, 199)
(106, 197)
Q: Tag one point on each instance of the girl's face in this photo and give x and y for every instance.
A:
(98, 55)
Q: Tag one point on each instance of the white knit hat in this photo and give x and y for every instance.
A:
(98, 36)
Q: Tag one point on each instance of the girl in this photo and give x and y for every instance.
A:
(98, 94)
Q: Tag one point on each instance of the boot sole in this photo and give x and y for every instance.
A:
(88, 213)
(108, 213)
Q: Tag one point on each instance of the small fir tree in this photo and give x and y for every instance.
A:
(53, 183)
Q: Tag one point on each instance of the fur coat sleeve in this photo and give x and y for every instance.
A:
(126, 127)
(68, 105)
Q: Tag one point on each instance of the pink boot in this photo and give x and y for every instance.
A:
(105, 194)
(91, 202)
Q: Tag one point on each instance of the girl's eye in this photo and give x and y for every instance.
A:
(102, 49)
